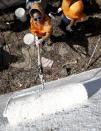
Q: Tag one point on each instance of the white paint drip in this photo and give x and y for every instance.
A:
(49, 102)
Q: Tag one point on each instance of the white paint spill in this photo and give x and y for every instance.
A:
(50, 101)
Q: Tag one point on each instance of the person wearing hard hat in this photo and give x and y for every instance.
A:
(41, 25)
(73, 11)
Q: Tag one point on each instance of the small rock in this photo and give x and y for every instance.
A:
(72, 62)
(62, 51)
(63, 72)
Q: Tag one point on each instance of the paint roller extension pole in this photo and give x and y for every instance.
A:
(88, 64)
(40, 69)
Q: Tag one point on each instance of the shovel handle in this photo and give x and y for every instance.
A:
(39, 57)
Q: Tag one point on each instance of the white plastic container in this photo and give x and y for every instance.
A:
(20, 14)
(30, 39)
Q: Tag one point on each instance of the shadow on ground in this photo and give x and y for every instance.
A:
(89, 28)
(15, 25)
(73, 39)
(93, 86)
(6, 59)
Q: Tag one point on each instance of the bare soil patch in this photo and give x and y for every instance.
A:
(70, 52)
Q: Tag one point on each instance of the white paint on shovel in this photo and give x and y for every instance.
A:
(50, 101)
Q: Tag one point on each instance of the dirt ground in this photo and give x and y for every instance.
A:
(70, 52)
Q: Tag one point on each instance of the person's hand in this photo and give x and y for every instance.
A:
(51, 14)
(59, 10)
(39, 42)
